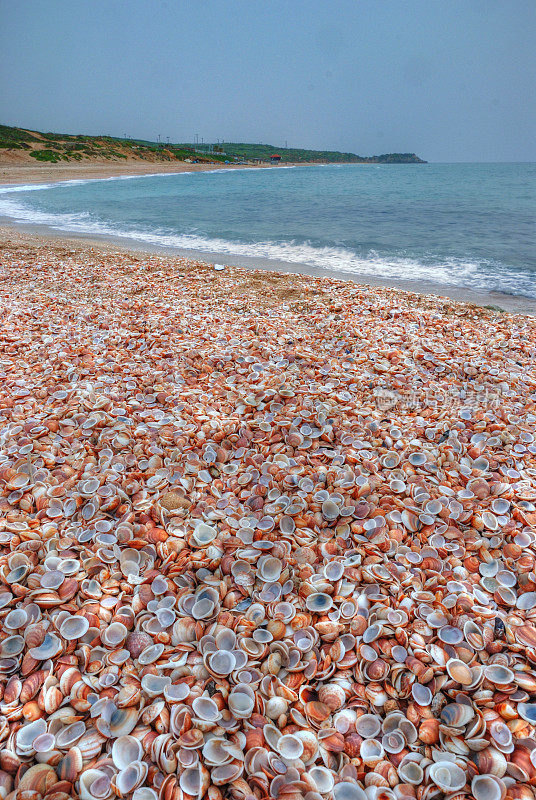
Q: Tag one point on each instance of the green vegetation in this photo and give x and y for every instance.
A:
(47, 155)
(54, 147)
(17, 135)
(263, 152)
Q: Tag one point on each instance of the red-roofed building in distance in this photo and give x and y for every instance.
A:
(275, 158)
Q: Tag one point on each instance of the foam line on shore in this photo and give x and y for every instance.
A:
(455, 272)
(32, 187)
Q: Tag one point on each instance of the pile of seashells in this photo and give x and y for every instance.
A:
(228, 571)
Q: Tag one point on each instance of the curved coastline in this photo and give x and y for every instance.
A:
(404, 274)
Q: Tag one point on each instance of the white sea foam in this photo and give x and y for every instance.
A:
(480, 276)
(37, 187)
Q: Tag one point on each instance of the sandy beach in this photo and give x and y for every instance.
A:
(21, 173)
(267, 434)
(280, 517)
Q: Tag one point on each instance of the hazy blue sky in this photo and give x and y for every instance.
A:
(452, 80)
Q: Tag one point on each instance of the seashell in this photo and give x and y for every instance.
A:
(240, 704)
(322, 778)
(526, 635)
(447, 776)
(290, 747)
(17, 618)
(114, 635)
(151, 654)
(206, 709)
(527, 711)
(429, 731)
(499, 675)
(13, 690)
(421, 694)
(154, 685)
(275, 707)
(90, 744)
(490, 762)
(204, 534)
(310, 745)
(411, 772)
(195, 781)
(316, 711)
(174, 693)
(137, 642)
(487, 787)
(393, 742)
(319, 602)
(129, 778)
(144, 793)
(330, 510)
(173, 500)
(521, 764)
(122, 722)
(459, 671)
(332, 695)
(11, 646)
(371, 751)
(94, 785)
(74, 627)
(348, 791)
(526, 601)
(50, 647)
(222, 662)
(70, 766)
(368, 726)
(125, 751)
(38, 778)
(456, 715)
(227, 773)
(235, 563)
(26, 735)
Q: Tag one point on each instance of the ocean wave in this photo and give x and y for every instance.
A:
(455, 272)
(37, 187)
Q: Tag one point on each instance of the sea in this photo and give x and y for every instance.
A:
(463, 228)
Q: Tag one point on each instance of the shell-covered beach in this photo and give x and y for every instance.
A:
(261, 535)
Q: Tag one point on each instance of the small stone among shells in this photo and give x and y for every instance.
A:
(261, 537)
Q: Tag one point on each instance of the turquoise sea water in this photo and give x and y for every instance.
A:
(459, 225)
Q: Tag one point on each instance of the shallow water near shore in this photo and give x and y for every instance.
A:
(465, 230)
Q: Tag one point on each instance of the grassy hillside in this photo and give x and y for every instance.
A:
(292, 154)
(56, 147)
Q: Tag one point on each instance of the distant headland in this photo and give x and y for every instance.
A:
(21, 145)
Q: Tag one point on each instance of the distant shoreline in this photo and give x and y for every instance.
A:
(24, 173)
(17, 174)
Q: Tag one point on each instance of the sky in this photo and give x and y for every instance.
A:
(451, 80)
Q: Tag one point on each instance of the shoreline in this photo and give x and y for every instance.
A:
(30, 174)
(494, 301)
(18, 174)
